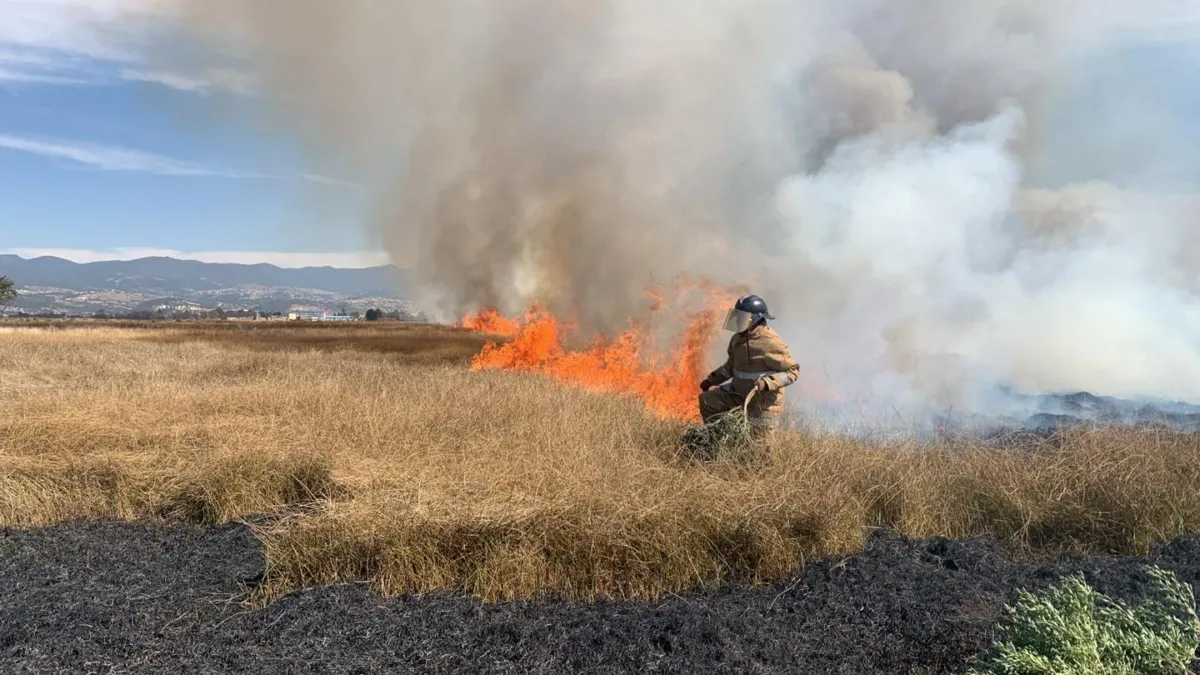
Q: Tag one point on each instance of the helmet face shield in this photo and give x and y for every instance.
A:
(737, 321)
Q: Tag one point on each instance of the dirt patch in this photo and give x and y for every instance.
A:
(148, 598)
(420, 343)
(430, 344)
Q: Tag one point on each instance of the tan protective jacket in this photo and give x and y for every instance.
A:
(758, 353)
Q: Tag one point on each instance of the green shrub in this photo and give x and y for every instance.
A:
(728, 437)
(1073, 630)
(7, 292)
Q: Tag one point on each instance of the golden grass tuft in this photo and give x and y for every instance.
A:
(386, 460)
(228, 487)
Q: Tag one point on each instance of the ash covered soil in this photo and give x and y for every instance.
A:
(98, 597)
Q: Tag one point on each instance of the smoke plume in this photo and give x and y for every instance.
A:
(929, 193)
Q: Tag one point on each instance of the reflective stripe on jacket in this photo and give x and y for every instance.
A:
(758, 353)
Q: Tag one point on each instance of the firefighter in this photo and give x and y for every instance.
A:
(757, 360)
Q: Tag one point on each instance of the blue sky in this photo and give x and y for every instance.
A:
(103, 156)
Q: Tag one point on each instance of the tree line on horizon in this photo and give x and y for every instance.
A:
(8, 293)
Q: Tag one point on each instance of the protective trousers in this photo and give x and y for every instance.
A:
(716, 402)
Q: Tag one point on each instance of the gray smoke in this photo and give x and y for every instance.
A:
(928, 192)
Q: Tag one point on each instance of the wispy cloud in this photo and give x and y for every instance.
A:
(25, 65)
(92, 29)
(34, 59)
(31, 65)
(327, 180)
(203, 83)
(291, 259)
(19, 76)
(110, 158)
(96, 42)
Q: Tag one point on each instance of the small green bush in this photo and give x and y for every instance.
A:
(1073, 630)
(7, 292)
(729, 437)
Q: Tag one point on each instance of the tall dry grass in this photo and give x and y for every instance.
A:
(384, 459)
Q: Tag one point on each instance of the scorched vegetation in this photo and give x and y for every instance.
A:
(382, 456)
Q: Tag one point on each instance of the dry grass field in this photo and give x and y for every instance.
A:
(381, 457)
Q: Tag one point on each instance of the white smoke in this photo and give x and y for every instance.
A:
(917, 187)
(924, 267)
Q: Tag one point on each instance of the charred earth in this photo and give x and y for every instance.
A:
(1068, 409)
(100, 597)
(1043, 414)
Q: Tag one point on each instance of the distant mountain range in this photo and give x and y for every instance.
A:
(50, 284)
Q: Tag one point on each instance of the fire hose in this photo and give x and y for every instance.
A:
(746, 403)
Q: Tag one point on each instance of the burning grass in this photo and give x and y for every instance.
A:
(410, 470)
(664, 379)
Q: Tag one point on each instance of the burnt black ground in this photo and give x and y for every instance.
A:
(93, 597)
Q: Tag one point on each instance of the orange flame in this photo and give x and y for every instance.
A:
(666, 380)
(491, 321)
